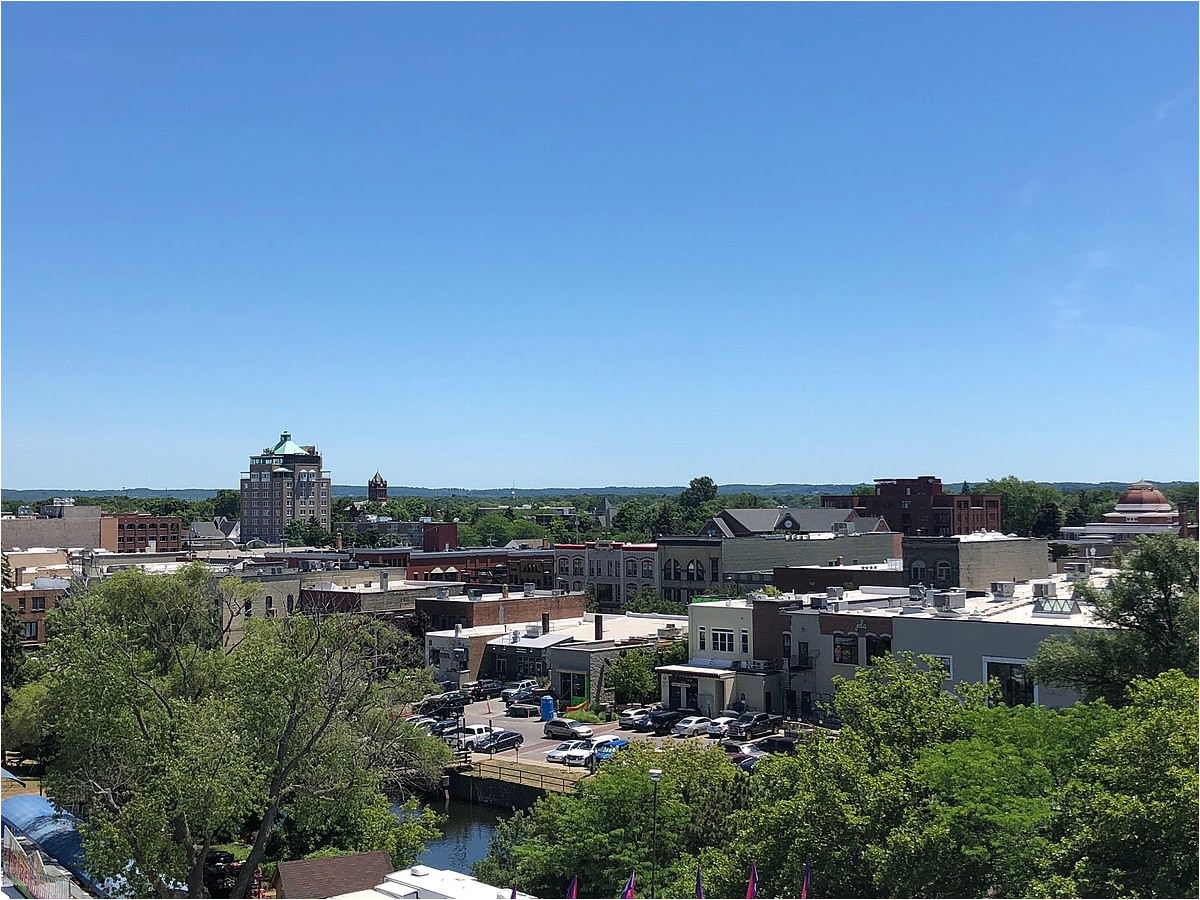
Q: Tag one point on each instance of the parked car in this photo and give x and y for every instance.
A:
(468, 736)
(631, 715)
(486, 689)
(444, 727)
(738, 758)
(606, 751)
(559, 753)
(719, 726)
(752, 725)
(515, 687)
(422, 722)
(582, 756)
(747, 765)
(775, 744)
(692, 725)
(450, 703)
(735, 747)
(499, 740)
(523, 711)
(566, 728)
(645, 723)
(662, 721)
(533, 696)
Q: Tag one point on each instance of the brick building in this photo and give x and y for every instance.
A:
(974, 562)
(919, 506)
(285, 483)
(377, 489)
(499, 609)
(32, 602)
(139, 531)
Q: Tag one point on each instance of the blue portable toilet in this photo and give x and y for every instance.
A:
(547, 708)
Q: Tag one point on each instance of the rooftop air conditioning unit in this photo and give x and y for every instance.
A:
(916, 592)
(956, 599)
(1004, 588)
(1045, 589)
(835, 593)
(937, 599)
(443, 593)
(529, 589)
(533, 630)
(820, 601)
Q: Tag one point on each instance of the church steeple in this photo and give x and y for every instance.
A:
(377, 489)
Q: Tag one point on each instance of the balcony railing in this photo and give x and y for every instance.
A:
(801, 663)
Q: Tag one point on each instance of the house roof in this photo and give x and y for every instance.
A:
(331, 875)
(737, 522)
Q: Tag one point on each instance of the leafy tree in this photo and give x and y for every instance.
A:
(310, 533)
(1127, 825)
(698, 492)
(1151, 609)
(651, 600)
(1022, 503)
(863, 490)
(632, 677)
(228, 504)
(25, 717)
(9, 580)
(12, 653)
(202, 734)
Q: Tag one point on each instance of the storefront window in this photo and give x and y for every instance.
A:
(877, 647)
(845, 649)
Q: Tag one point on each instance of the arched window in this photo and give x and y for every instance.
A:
(577, 565)
(917, 571)
(647, 568)
(695, 570)
(943, 570)
(564, 566)
(290, 603)
(249, 609)
(631, 568)
(667, 570)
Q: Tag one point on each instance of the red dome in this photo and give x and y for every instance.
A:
(1143, 494)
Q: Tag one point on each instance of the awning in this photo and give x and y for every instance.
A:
(436, 570)
(450, 569)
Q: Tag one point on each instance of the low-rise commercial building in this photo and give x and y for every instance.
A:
(974, 561)
(31, 602)
(616, 570)
(139, 531)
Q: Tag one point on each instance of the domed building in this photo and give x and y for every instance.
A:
(1142, 509)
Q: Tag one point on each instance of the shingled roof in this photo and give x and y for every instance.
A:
(330, 876)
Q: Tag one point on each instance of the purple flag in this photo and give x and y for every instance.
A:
(627, 893)
(573, 888)
(752, 887)
(804, 887)
(699, 885)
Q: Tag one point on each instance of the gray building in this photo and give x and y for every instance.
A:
(615, 569)
(974, 562)
(60, 524)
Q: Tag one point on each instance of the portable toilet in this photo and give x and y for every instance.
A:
(547, 705)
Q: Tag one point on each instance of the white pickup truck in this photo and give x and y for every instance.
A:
(467, 736)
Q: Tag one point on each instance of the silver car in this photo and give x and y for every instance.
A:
(692, 725)
(719, 727)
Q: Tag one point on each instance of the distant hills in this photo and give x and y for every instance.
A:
(353, 490)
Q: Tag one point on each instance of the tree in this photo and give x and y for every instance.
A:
(172, 736)
(1021, 503)
(310, 533)
(632, 677)
(863, 490)
(228, 504)
(698, 492)
(651, 600)
(1150, 609)
(12, 653)
(1127, 820)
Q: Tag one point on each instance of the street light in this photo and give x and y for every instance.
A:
(655, 776)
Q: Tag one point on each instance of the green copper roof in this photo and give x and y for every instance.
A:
(287, 447)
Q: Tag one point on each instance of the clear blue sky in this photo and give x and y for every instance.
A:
(599, 244)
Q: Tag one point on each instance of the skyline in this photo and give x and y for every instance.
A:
(585, 245)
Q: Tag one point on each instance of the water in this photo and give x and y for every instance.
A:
(466, 834)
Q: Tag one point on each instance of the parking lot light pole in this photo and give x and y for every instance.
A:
(655, 775)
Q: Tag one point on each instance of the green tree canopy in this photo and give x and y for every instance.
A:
(1151, 609)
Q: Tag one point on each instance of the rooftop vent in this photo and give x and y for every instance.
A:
(835, 593)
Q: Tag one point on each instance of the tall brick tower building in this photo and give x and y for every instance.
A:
(285, 483)
(377, 489)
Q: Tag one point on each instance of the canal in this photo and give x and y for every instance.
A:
(466, 834)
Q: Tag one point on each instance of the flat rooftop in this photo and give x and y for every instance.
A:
(581, 629)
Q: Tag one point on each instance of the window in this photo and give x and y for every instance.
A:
(845, 649)
(39, 604)
(631, 568)
(703, 634)
(722, 640)
(947, 664)
(1016, 687)
(712, 564)
(610, 568)
(249, 610)
(577, 586)
(20, 604)
(943, 570)
(270, 604)
(878, 646)
(290, 603)
(31, 631)
(917, 571)
(745, 642)
(695, 570)
(630, 590)
(647, 568)
(787, 644)
(577, 565)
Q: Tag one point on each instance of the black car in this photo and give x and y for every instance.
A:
(499, 740)
(451, 703)
(486, 689)
(664, 720)
(444, 727)
(784, 745)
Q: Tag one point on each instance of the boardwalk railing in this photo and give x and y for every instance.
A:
(529, 775)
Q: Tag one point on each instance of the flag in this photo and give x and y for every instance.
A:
(627, 893)
(699, 885)
(752, 887)
(514, 893)
(573, 888)
(804, 887)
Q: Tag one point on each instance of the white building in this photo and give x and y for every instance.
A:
(426, 883)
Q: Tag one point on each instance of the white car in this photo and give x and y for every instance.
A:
(468, 735)
(719, 726)
(581, 756)
(629, 716)
(559, 753)
(692, 725)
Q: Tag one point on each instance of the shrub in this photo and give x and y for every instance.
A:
(582, 715)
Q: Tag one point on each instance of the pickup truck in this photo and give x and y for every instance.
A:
(752, 725)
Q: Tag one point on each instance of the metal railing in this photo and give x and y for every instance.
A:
(547, 781)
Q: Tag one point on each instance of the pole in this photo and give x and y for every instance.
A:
(654, 845)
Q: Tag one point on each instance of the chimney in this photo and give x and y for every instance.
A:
(337, 543)
(599, 627)
(1182, 508)
(383, 579)
(545, 623)
(504, 592)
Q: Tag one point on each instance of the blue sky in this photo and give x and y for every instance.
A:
(596, 244)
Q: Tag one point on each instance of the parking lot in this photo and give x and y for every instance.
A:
(533, 750)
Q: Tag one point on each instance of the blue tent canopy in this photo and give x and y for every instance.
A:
(54, 831)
